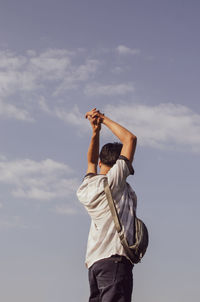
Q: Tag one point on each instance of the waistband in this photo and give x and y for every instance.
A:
(116, 259)
(119, 258)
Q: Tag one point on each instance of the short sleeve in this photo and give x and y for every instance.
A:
(118, 173)
(82, 192)
(128, 164)
(90, 188)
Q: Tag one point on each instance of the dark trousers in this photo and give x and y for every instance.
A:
(111, 280)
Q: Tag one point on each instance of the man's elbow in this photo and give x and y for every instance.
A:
(132, 138)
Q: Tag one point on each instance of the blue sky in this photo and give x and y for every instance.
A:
(138, 62)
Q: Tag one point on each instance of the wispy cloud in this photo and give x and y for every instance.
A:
(73, 117)
(96, 89)
(11, 111)
(50, 65)
(77, 75)
(44, 180)
(168, 125)
(162, 126)
(15, 75)
(25, 79)
(47, 81)
(124, 50)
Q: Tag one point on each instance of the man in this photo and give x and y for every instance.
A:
(110, 271)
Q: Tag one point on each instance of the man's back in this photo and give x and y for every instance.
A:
(103, 239)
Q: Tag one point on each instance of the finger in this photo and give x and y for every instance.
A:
(95, 115)
(99, 121)
(92, 120)
(90, 112)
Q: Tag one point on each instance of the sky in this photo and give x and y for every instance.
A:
(138, 62)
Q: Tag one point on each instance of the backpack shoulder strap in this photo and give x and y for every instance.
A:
(112, 206)
(116, 220)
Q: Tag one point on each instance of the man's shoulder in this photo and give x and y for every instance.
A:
(122, 166)
(128, 163)
(91, 186)
(92, 180)
(93, 177)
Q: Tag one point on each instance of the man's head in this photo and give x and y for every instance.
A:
(110, 153)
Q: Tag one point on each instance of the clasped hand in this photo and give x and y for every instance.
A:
(95, 118)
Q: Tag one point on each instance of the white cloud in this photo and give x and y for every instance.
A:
(30, 72)
(24, 79)
(163, 126)
(43, 105)
(44, 180)
(168, 125)
(11, 111)
(12, 81)
(50, 65)
(73, 117)
(124, 50)
(9, 61)
(109, 90)
(77, 75)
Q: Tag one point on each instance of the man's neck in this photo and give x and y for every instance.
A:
(104, 169)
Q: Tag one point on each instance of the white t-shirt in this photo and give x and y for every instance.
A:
(103, 239)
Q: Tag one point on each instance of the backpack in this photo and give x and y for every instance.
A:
(136, 251)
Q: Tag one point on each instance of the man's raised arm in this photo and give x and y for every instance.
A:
(128, 139)
(93, 150)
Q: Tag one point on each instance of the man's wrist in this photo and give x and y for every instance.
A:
(95, 132)
(105, 120)
(102, 117)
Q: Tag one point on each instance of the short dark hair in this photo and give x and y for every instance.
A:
(110, 153)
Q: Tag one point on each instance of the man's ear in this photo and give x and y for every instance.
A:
(99, 163)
